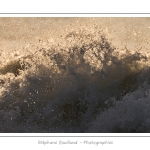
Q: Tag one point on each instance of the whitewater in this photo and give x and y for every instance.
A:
(74, 75)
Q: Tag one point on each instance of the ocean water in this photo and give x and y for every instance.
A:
(74, 75)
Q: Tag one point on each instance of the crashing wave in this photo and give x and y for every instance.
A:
(81, 83)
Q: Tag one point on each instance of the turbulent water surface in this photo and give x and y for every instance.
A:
(74, 75)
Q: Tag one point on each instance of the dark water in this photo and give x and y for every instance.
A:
(83, 79)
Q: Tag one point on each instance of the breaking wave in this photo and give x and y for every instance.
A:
(79, 83)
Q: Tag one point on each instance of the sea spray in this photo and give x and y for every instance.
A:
(78, 83)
